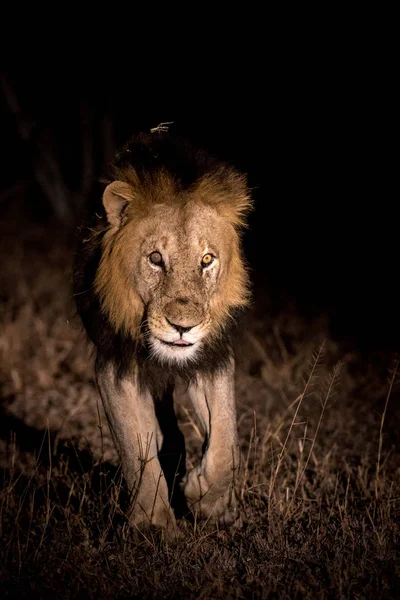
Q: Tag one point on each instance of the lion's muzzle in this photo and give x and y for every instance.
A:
(183, 314)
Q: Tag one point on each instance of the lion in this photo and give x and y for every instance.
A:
(159, 283)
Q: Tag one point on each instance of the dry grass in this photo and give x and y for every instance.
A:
(320, 508)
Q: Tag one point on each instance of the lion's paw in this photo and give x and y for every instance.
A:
(161, 518)
(215, 501)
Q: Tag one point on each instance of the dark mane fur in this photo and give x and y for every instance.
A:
(149, 153)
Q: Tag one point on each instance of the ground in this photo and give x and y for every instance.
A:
(320, 487)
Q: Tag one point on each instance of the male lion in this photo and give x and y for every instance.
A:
(159, 279)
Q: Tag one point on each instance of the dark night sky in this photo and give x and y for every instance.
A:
(313, 142)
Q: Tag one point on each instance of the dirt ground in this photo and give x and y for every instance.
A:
(320, 488)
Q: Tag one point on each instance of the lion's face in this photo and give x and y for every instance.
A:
(174, 273)
(182, 257)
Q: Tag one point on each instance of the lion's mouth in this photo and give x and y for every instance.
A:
(180, 343)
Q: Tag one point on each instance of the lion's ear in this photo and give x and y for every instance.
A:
(116, 197)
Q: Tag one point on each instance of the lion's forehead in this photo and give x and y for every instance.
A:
(185, 230)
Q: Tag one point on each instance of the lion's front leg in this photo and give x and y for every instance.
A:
(131, 416)
(210, 488)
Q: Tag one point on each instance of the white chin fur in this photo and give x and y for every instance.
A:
(173, 354)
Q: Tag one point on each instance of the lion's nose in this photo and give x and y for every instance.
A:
(179, 327)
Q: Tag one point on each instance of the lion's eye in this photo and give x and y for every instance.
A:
(156, 258)
(207, 260)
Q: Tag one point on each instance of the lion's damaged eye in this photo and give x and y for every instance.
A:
(156, 259)
(207, 260)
